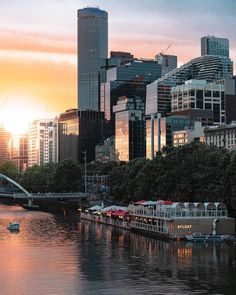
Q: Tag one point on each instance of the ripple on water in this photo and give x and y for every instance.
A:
(57, 254)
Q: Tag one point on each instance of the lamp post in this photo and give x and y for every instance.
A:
(85, 172)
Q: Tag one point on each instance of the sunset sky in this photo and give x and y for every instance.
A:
(38, 45)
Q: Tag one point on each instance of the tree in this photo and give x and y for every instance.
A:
(67, 177)
(9, 169)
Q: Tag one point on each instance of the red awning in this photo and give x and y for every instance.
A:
(109, 212)
(167, 203)
(119, 213)
(140, 202)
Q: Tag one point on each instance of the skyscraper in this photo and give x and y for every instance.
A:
(211, 45)
(92, 50)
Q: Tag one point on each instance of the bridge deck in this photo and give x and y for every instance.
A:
(51, 196)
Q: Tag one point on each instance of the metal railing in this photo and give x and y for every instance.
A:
(181, 213)
(149, 227)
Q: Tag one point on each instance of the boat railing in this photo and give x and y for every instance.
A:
(185, 213)
(105, 220)
(149, 227)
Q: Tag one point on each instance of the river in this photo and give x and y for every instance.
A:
(57, 254)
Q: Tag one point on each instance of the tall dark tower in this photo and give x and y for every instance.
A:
(92, 50)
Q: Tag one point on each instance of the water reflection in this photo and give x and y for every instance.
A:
(58, 254)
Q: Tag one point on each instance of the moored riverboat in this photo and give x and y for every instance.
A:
(116, 216)
(175, 220)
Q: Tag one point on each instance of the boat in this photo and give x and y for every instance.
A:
(203, 238)
(14, 226)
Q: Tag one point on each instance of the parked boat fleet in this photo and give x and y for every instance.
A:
(170, 220)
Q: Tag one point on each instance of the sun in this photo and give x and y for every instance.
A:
(16, 115)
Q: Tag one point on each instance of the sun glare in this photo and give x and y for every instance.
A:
(15, 116)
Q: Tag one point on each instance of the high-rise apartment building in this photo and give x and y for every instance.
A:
(43, 142)
(92, 50)
(211, 45)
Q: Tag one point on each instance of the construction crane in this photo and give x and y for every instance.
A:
(164, 51)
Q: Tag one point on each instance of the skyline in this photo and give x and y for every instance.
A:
(38, 45)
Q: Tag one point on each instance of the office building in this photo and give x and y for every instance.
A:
(129, 79)
(68, 132)
(5, 145)
(159, 132)
(43, 142)
(158, 97)
(209, 68)
(92, 51)
(92, 129)
(80, 131)
(200, 95)
(211, 45)
(129, 128)
(20, 152)
(167, 62)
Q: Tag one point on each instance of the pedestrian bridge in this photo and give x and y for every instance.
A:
(24, 194)
(50, 196)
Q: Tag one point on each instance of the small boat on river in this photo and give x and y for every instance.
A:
(14, 226)
(202, 238)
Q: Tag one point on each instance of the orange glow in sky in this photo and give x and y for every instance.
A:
(38, 62)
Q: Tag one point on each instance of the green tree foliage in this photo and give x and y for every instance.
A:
(9, 169)
(63, 177)
(193, 173)
(40, 178)
(229, 181)
(68, 177)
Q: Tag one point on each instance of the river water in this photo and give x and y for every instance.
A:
(57, 254)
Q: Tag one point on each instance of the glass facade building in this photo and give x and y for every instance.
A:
(129, 128)
(68, 132)
(211, 45)
(129, 79)
(80, 131)
(92, 51)
(159, 132)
